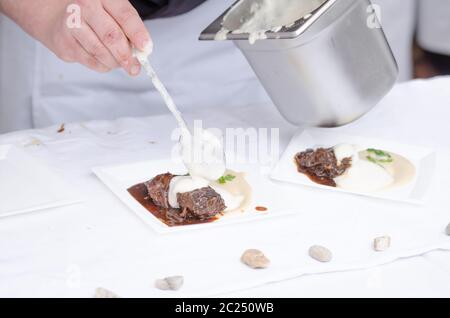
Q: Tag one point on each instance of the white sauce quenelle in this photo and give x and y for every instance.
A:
(267, 15)
(343, 151)
(202, 153)
(184, 184)
(365, 175)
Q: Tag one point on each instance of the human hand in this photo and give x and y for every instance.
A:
(101, 37)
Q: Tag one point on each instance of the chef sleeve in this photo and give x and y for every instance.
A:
(151, 9)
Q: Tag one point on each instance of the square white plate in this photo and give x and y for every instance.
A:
(265, 192)
(27, 186)
(416, 192)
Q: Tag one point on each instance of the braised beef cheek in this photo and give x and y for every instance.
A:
(198, 206)
(202, 203)
(158, 189)
(321, 165)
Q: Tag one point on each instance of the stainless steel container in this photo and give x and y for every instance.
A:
(328, 69)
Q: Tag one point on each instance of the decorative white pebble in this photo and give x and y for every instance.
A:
(104, 293)
(162, 284)
(381, 244)
(255, 259)
(170, 283)
(320, 253)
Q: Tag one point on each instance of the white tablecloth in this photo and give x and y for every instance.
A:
(72, 250)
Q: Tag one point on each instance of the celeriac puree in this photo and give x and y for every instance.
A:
(367, 176)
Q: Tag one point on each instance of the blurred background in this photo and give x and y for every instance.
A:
(38, 90)
(418, 33)
(428, 64)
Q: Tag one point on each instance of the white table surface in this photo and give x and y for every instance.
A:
(67, 252)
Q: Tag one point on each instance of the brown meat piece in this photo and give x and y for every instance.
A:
(202, 204)
(321, 165)
(158, 189)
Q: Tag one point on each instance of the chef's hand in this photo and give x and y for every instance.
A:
(103, 39)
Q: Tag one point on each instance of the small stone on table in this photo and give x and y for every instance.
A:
(320, 253)
(381, 244)
(104, 293)
(170, 283)
(255, 259)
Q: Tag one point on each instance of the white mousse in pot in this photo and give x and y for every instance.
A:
(262, 16)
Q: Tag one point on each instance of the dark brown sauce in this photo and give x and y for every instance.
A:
(167, 216)
(320, 180)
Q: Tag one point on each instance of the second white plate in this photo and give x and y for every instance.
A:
(416, 192)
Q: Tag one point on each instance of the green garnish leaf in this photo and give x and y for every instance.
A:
(379, 156)
(371, 159)
(379, 153)
(226, 178)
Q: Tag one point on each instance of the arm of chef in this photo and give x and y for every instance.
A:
(96, 33)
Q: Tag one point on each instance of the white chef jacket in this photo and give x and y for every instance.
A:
(46, 91)
(37, 89)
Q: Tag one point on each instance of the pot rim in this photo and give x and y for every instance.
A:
(292, 31)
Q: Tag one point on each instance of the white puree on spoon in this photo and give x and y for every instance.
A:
(268, 15)
(202, 154)
(367, 176)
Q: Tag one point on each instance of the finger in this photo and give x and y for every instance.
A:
(92, 45)
(89, 61)
(135, 67)
(111, 35)
(130, 21)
